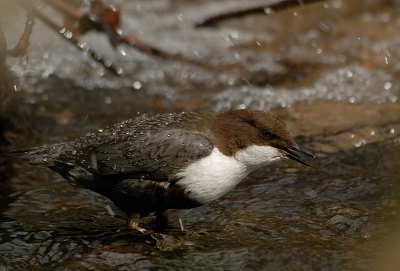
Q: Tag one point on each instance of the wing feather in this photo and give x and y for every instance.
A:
(152, 156)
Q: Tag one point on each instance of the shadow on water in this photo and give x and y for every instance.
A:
(335, 216)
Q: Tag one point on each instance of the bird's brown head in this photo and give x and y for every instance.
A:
(243, 128)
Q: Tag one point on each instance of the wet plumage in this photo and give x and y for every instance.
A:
(172, 161)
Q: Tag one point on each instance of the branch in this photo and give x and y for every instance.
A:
(285, 4)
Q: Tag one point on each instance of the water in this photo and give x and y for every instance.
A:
(335, 85)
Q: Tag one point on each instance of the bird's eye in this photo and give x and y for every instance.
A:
(266, 133)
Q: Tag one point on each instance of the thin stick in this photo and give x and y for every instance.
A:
(285, 4)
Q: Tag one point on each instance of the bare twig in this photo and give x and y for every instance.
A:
(285, 4)
(106, 20)
(68, 35)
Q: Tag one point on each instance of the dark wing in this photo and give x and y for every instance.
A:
(153, 156)
(38, 155)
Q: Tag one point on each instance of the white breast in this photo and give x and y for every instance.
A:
(213, 176)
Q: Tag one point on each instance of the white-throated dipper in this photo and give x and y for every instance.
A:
(171, 161)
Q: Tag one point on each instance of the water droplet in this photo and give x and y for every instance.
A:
(73, 152)
(324, 27)
(107, 100)
(366, 236)
(108, 158)
(45, 159)
(268, 10)
(349, 74)
(360, 143)
(110, 211)
(68, 34)
(107, 63)
(387, 85)
(119, 70)
(137, 85)
(114, 167)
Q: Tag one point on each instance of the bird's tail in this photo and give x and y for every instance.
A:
(38, 155)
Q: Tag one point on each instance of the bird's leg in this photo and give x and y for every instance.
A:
(132, 222)
(161, 219)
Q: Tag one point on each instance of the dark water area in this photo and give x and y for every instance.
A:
(329, 70)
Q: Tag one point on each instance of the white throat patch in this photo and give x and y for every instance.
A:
(213, 176)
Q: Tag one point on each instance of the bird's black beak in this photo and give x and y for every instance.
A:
(289, 153)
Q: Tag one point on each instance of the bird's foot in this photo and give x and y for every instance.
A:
(133, 223)
(140, 229)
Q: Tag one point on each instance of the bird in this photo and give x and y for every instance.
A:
(150, 164)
